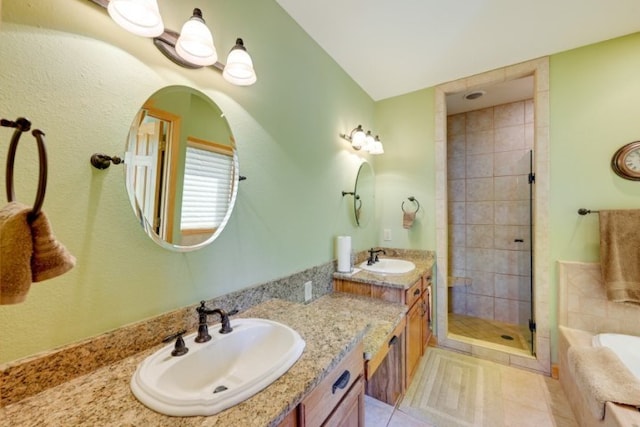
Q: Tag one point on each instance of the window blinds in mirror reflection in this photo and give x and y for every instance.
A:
(207, 190)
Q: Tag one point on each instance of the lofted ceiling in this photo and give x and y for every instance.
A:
(392, 47)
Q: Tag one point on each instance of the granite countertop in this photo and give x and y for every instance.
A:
(404, 281)
(331, 326)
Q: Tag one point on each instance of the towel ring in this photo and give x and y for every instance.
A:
(414, 200)
(42, 176)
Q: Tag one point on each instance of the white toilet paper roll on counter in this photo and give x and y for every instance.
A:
(343, 247)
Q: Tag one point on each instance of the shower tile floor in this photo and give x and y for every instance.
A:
(491, 331)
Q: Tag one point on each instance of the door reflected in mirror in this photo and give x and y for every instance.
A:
(364, 194)
(181, 168)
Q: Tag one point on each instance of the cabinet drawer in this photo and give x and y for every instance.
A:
(413, 293)
(317, 406)
(376, 360)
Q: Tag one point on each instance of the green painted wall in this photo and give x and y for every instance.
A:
(407, 127)
(594, 110)
(80, 78)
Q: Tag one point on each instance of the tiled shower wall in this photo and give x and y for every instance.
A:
(488, 193)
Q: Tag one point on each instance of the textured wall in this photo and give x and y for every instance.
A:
(80, 78)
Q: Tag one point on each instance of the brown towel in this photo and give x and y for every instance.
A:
(16, 248)
(620, 254)
(602, 377)
(407, 219)
(50, 258)
(29, 252)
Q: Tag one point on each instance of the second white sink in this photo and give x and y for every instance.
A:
(218, 374)
(389, 266)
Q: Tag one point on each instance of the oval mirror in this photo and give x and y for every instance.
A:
(364, 194)
(181, 168)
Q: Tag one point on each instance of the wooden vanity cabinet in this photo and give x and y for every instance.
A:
(417, 299)
(418, 327)
(385, 371)
(339, 399)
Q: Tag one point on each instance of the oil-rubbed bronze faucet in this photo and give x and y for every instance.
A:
(203, 328)
(373, 255)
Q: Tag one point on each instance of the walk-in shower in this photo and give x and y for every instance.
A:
(490, 179)
(532, 253)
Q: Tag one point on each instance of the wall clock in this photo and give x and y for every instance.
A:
(626, 161)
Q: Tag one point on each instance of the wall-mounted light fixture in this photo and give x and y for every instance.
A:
(364, 141)
(193, 47)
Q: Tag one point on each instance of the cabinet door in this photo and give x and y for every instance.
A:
(350, 412)
(426, 318)
(387, 383)
(414, 340)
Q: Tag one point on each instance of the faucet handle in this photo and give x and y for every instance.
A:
(180, 348)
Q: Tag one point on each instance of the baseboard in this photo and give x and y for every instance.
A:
(555, 371)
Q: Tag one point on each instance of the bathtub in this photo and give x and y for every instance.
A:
(615, 415)
(626, 347)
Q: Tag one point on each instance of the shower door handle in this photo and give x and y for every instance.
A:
(518, 240)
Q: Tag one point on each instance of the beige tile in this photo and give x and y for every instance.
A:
(457, 235)
(456, 190)
(479, 166)
(456, 145)
(511, 187)
(480, 305)
(480, 213)
(505, 237)
(528, 111)
(512, 212)
(482, 282)
(456, 124)
(457, 213)
(400, 419)
(509, 138)
(514, 162)
(480, 259)
(480, 236)
(511, 262)
(556, 399)
(457, 169)
(519, 415)
(377, 413)
(479, 189)
(506, 310)
(509, 114)
(479, 120)
(479, 142)
(524, 387)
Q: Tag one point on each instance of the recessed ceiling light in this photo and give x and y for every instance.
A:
(474, 95)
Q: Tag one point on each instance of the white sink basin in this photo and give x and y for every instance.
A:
(220, 373)
(389, 266)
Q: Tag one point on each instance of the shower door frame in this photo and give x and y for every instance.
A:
(539, 68)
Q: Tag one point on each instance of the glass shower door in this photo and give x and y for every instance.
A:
(532, 321)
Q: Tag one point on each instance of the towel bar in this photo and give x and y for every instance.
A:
(23, 125)
(414, 200)
(583, 211)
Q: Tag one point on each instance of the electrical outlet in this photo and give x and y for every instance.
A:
(307, 291)
(387, 234)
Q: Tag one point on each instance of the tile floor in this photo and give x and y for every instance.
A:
(530, 400)
(491, 331)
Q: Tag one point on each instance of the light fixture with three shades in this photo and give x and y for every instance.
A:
(364, 141)
(193, 47)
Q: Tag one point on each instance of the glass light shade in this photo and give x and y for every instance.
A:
(376, 148)
(369, 142)
(195, 43)
(140, 17)
(239, 69)
(358, 138)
